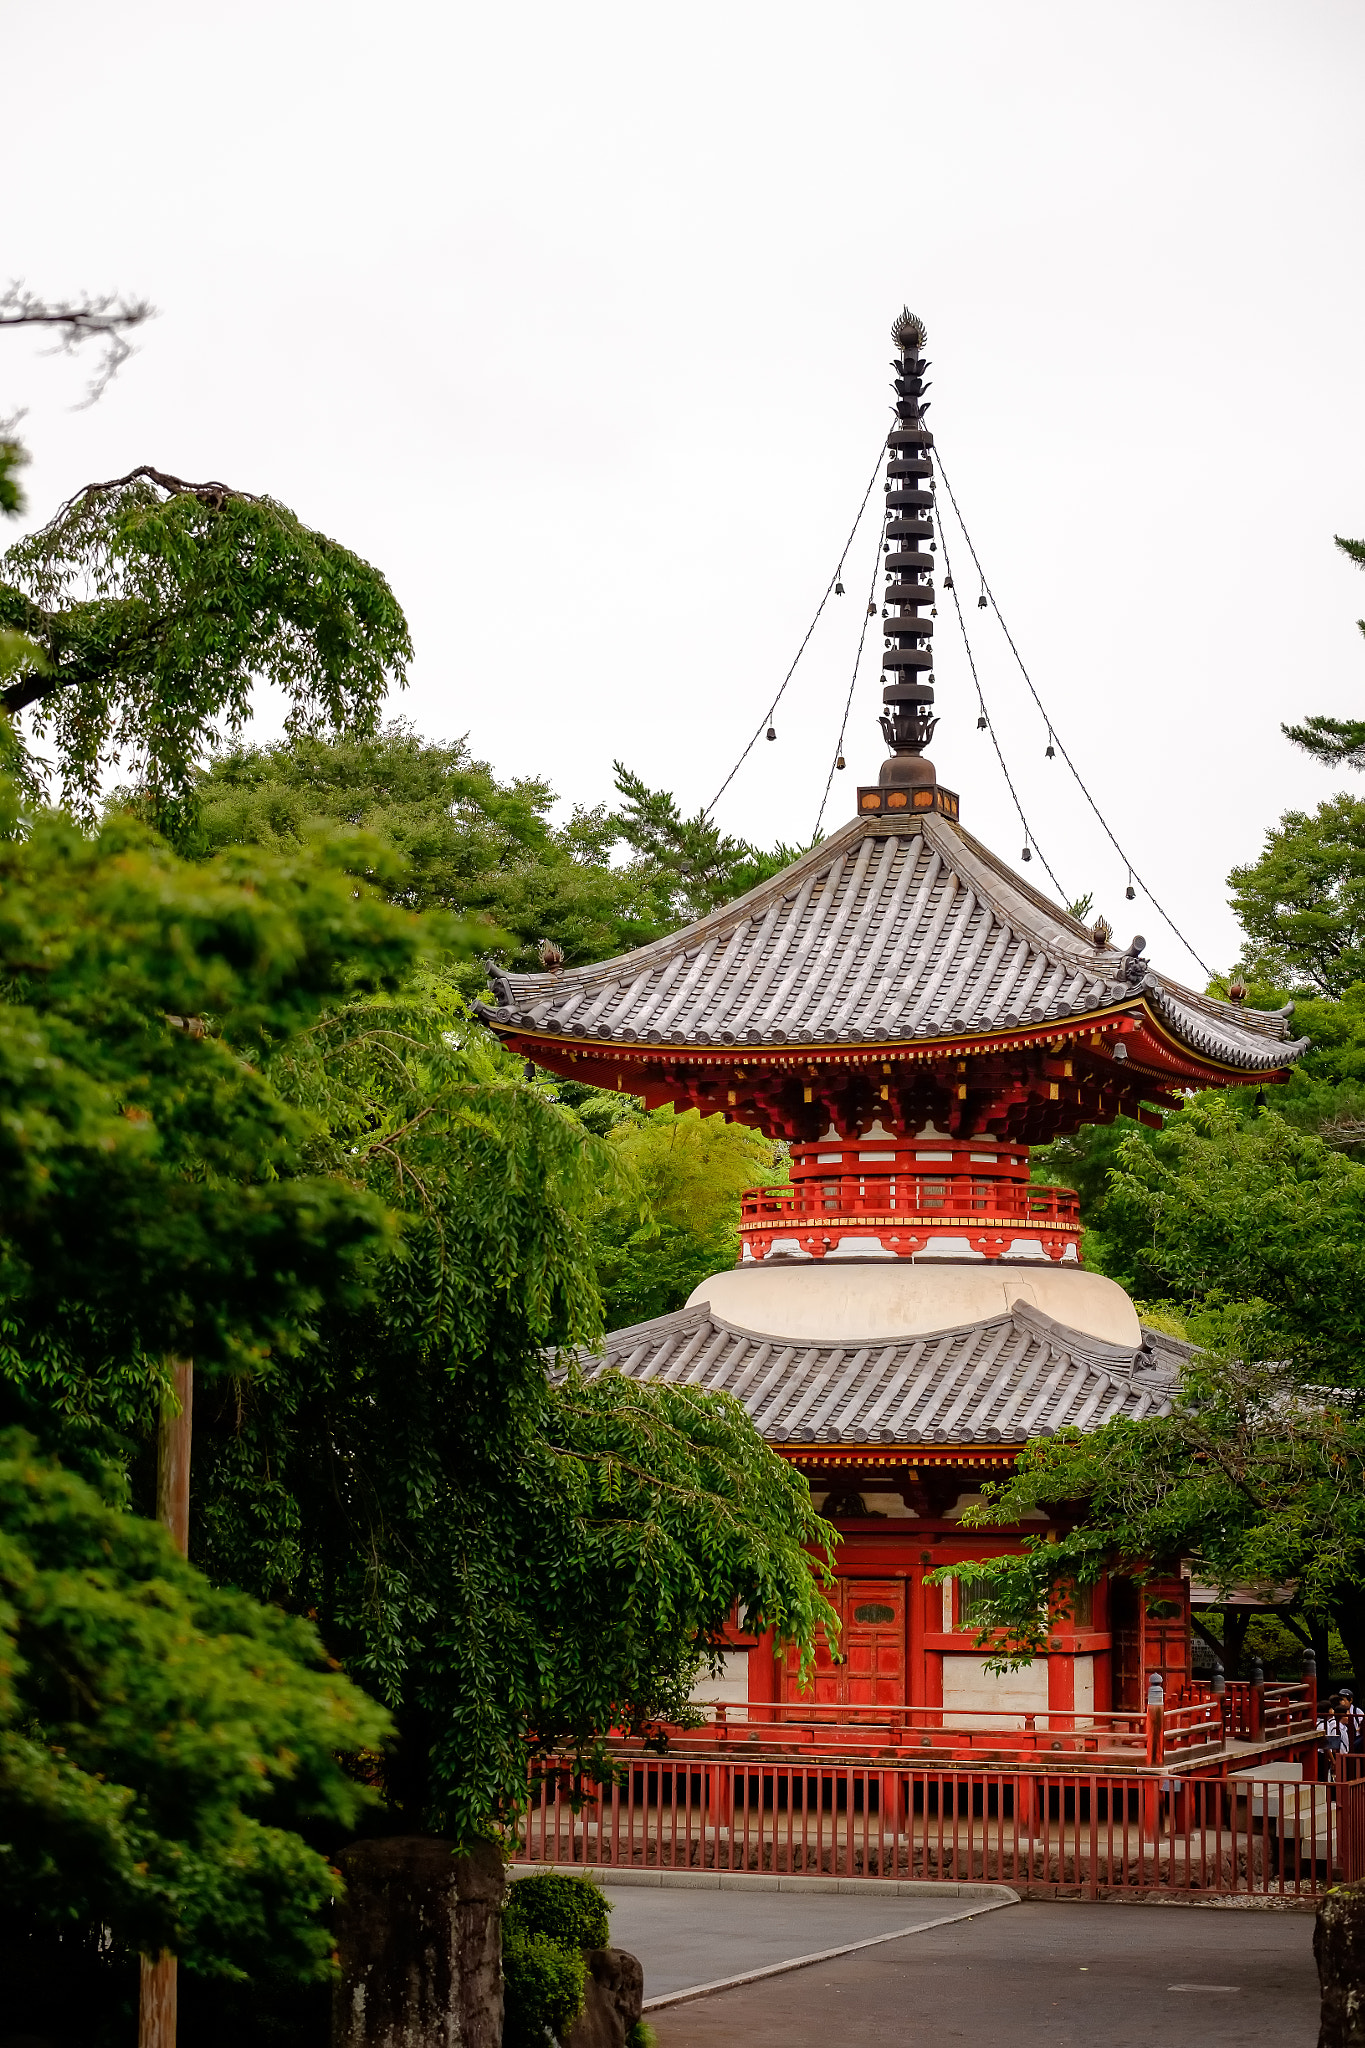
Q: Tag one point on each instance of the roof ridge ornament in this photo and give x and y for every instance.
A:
(908, 721)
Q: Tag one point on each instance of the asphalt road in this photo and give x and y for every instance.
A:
(695, 1937)
(1028, 1976)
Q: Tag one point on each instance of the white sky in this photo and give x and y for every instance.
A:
(576, 322)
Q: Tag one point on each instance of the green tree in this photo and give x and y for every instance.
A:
(155, 1191)
(162, 1742)
(1252, 1477)
(156, 607)
(509, 1562)
(670, 1220)
(455, 837)
(1336, 741)
(695, 865)
(1302, 903)
(1255, 1226)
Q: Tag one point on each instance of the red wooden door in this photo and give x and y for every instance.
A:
(874, 1642)
(868, 1668)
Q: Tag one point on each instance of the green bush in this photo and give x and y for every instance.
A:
(547, 1924)
(569, 1909)
(543, 1985)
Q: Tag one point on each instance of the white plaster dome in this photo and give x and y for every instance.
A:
(831, 1301)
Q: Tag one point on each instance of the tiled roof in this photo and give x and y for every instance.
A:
(883, 933)
(1018, 1375)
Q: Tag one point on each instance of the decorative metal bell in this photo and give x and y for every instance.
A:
(1130, 892)
(1026, 855)
(841, 762)
(981, 722)
(772, 732)
(947, 583)
(981, 602)
(1051, 754)
(838, 584)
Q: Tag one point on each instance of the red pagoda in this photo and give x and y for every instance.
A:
(912, 1016)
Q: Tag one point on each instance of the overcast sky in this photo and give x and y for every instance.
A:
(575, 321)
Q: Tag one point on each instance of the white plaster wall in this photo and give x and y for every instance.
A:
(821, 1303)
(967, 1683)
(732, 1687)
(1085, 1684)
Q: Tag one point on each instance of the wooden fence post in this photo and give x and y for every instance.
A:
(156, 2023)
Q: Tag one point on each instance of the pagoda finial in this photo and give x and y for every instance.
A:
(908, 659)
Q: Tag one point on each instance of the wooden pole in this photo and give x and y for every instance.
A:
(156, 2027)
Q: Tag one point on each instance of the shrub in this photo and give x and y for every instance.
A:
(568, 1909)
(547, 1924)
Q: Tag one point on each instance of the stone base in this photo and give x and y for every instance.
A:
(1339, 1951)
(614, 1996)
(418, 1936)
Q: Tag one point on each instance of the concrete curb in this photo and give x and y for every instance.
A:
(762, 1881)
(986, 1898)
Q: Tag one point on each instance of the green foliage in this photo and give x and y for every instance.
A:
(547, 1924)
(670, 1219)
(544, 1981)
(160, 605)
(1336, 741)
(696, 866)
(500, 1560)
(1253, 1477)
(155, 1191)
(13, 457)
(1256, 1227)
(456, 838)
(570, 1909)
(1302, 904)
(160, 1740)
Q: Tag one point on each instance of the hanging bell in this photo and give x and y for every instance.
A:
(1051, 753)
(947, 583)
(1026, 855)
(981, 602)
(933, 611)
(872, 611)
(772, 732)
(841, 762)
(839, 584)
(1130, 892)
(981, 723)
(528, 1072)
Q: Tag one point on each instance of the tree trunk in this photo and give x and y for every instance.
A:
(419, 1941)
(1349, 1616)
(157, 2002)
(156, 2021)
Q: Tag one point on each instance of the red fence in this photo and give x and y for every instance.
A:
(1189, 1733)
(1092, 1834)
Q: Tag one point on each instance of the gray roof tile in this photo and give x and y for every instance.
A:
(1017, 1375)
(883, 933)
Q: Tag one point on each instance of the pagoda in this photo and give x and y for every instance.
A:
(911, 1016)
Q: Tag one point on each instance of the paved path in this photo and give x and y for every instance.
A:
(1029, 1976)
(695, 1937)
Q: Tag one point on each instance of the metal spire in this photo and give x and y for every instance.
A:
(908, 659)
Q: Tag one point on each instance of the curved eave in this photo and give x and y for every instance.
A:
(1174, 1059)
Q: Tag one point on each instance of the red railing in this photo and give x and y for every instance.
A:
(1257, 1713)
(910, 1195)
(1176, 1735)
(1092, 1834)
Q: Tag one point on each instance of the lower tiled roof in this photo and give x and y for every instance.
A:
(1021, 1374)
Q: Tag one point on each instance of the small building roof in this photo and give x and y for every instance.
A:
(892, 931)
(1018, 1375)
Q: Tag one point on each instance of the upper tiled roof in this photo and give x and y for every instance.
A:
(882, 933)
(1018, 1375)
